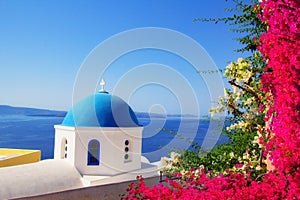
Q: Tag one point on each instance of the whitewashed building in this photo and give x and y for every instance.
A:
(100, 135)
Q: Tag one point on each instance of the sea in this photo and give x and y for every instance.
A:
(160, 135)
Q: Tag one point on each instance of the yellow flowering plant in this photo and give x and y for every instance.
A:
(243, 102)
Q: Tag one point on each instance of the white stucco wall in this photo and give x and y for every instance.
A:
(112, 145)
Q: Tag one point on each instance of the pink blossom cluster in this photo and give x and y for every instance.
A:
(235, 186)
(280, 48)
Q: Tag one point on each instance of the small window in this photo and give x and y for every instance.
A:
(126, 142)
(93, 153)
(64, 148)
(126, 149)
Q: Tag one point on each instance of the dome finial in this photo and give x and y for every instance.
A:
(102, 83)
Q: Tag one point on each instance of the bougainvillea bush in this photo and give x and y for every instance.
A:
(200, 186)
(279, 138)
(280, 47)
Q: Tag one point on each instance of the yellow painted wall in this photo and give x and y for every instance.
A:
(18, 156)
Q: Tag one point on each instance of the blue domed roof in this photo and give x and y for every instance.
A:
(101, 110)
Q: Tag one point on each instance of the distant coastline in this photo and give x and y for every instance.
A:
(47, 115)
(33, 112)
(36, 112)
(156, 115)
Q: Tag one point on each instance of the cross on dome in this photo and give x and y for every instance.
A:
(102, 83)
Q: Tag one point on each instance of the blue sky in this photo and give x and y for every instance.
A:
(43, 44)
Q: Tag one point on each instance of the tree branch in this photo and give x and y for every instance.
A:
(235, 110)
(244, 89)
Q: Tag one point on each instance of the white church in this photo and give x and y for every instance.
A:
(99, 143)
